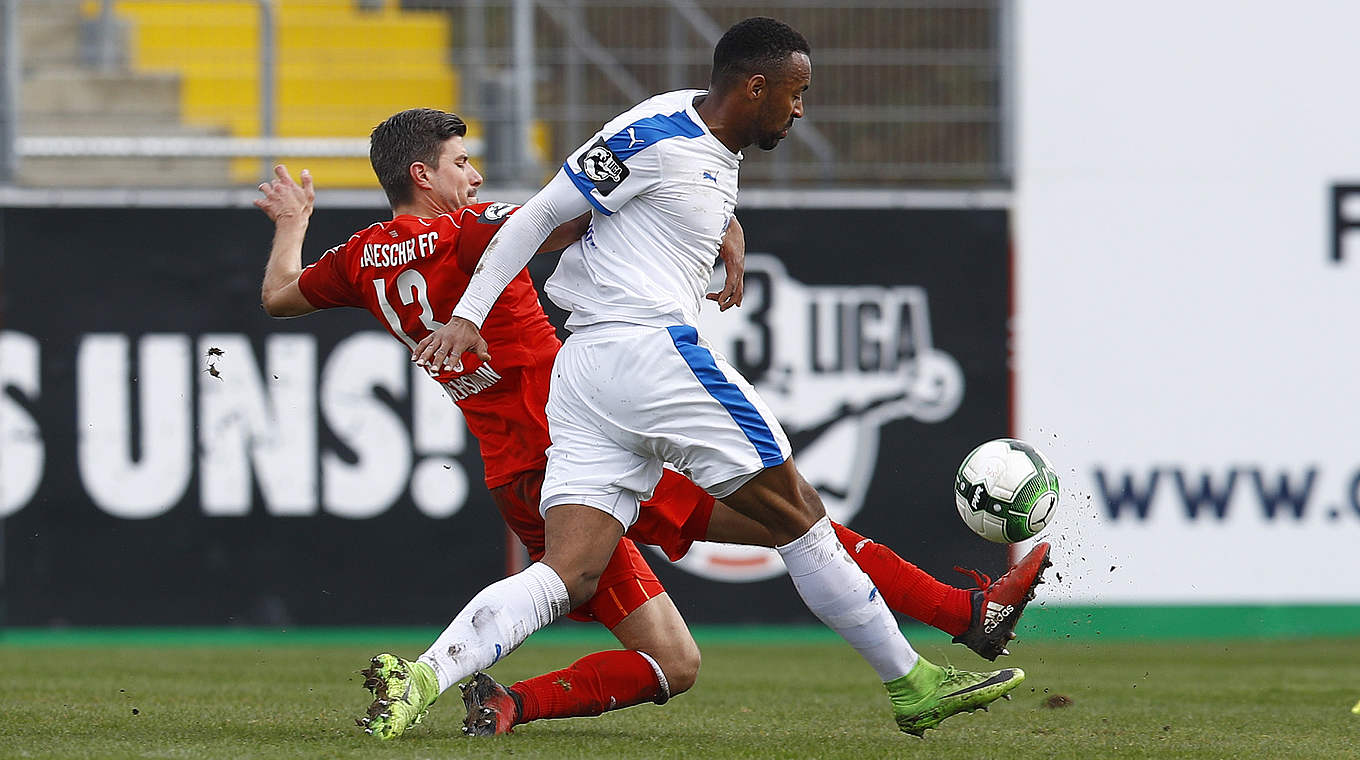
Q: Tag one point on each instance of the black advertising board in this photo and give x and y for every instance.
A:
(173, 456)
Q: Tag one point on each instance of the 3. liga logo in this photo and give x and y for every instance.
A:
(602, 167)
(834, 362)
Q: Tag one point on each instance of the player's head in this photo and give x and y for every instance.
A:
(420, 152)
(768, 64)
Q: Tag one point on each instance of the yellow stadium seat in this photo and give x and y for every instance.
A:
(340, 69)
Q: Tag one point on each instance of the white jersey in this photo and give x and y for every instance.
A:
(664, 189)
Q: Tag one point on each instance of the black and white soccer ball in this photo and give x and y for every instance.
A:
(1006, 490)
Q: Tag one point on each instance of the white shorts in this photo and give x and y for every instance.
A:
(626, 398)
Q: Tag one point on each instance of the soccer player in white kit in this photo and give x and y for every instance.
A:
(635, 386)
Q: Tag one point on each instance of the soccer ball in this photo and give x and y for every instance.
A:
(1006, 490)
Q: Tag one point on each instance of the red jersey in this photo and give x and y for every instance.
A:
(409, 273)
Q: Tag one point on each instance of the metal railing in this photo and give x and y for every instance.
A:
(9, 89)
(910, 93)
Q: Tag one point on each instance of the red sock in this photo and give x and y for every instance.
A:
(907, 588)
(594, 684)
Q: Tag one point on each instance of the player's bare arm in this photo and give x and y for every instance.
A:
(566, 234)
(289, 206)
(733, 255)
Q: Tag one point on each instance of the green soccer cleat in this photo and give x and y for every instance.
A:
(928, 694)
(402, 693)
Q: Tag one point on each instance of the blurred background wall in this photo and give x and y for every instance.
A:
(1185, 227)
(1127, 234)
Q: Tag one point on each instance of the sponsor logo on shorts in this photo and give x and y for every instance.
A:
(472, 383)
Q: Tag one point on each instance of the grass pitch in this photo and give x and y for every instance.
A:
(790, 697)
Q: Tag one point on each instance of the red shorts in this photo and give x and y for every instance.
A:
(676, 516)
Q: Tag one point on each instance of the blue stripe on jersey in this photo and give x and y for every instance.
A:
(701, 362)
(653, 129)
(636, 136)
(585, 186)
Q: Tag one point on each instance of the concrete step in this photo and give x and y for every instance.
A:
(128, 125)
(49, 39)
(74, 91)
(124, 172)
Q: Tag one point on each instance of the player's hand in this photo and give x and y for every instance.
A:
(443, 349)
(733, 253)
(284, 199)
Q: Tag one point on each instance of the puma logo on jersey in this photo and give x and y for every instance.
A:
(633, 139)
(995, 615)
(713, 176)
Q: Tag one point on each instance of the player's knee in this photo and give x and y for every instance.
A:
(795, 516)
(581, 584)
(811, 500)
(789, 527)
(580, 579)
(805, 508)
(681, 666)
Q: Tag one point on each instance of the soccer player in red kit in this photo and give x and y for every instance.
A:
(409, 272)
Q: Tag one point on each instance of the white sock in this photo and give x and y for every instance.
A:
(843, 597)
(498, 619)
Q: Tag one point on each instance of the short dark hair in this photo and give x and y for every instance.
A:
(757, 45)
(416, 134)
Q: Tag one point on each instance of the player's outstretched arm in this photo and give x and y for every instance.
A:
(519, 238)
(289, 206)
(733, 254)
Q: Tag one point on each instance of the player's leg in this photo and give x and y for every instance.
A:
(634, 606)
(589, 497)
(842, 596)
(624, 601)
(629, 600)
(905, 588)
(497, 620)
(661, 661)
(580, 540)
(737, 451)
(983, 618)
(680, 513)
(592, 485)
(658, 629)
(388, 675)
(661, 658)
(830, 583)
(705, 418)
